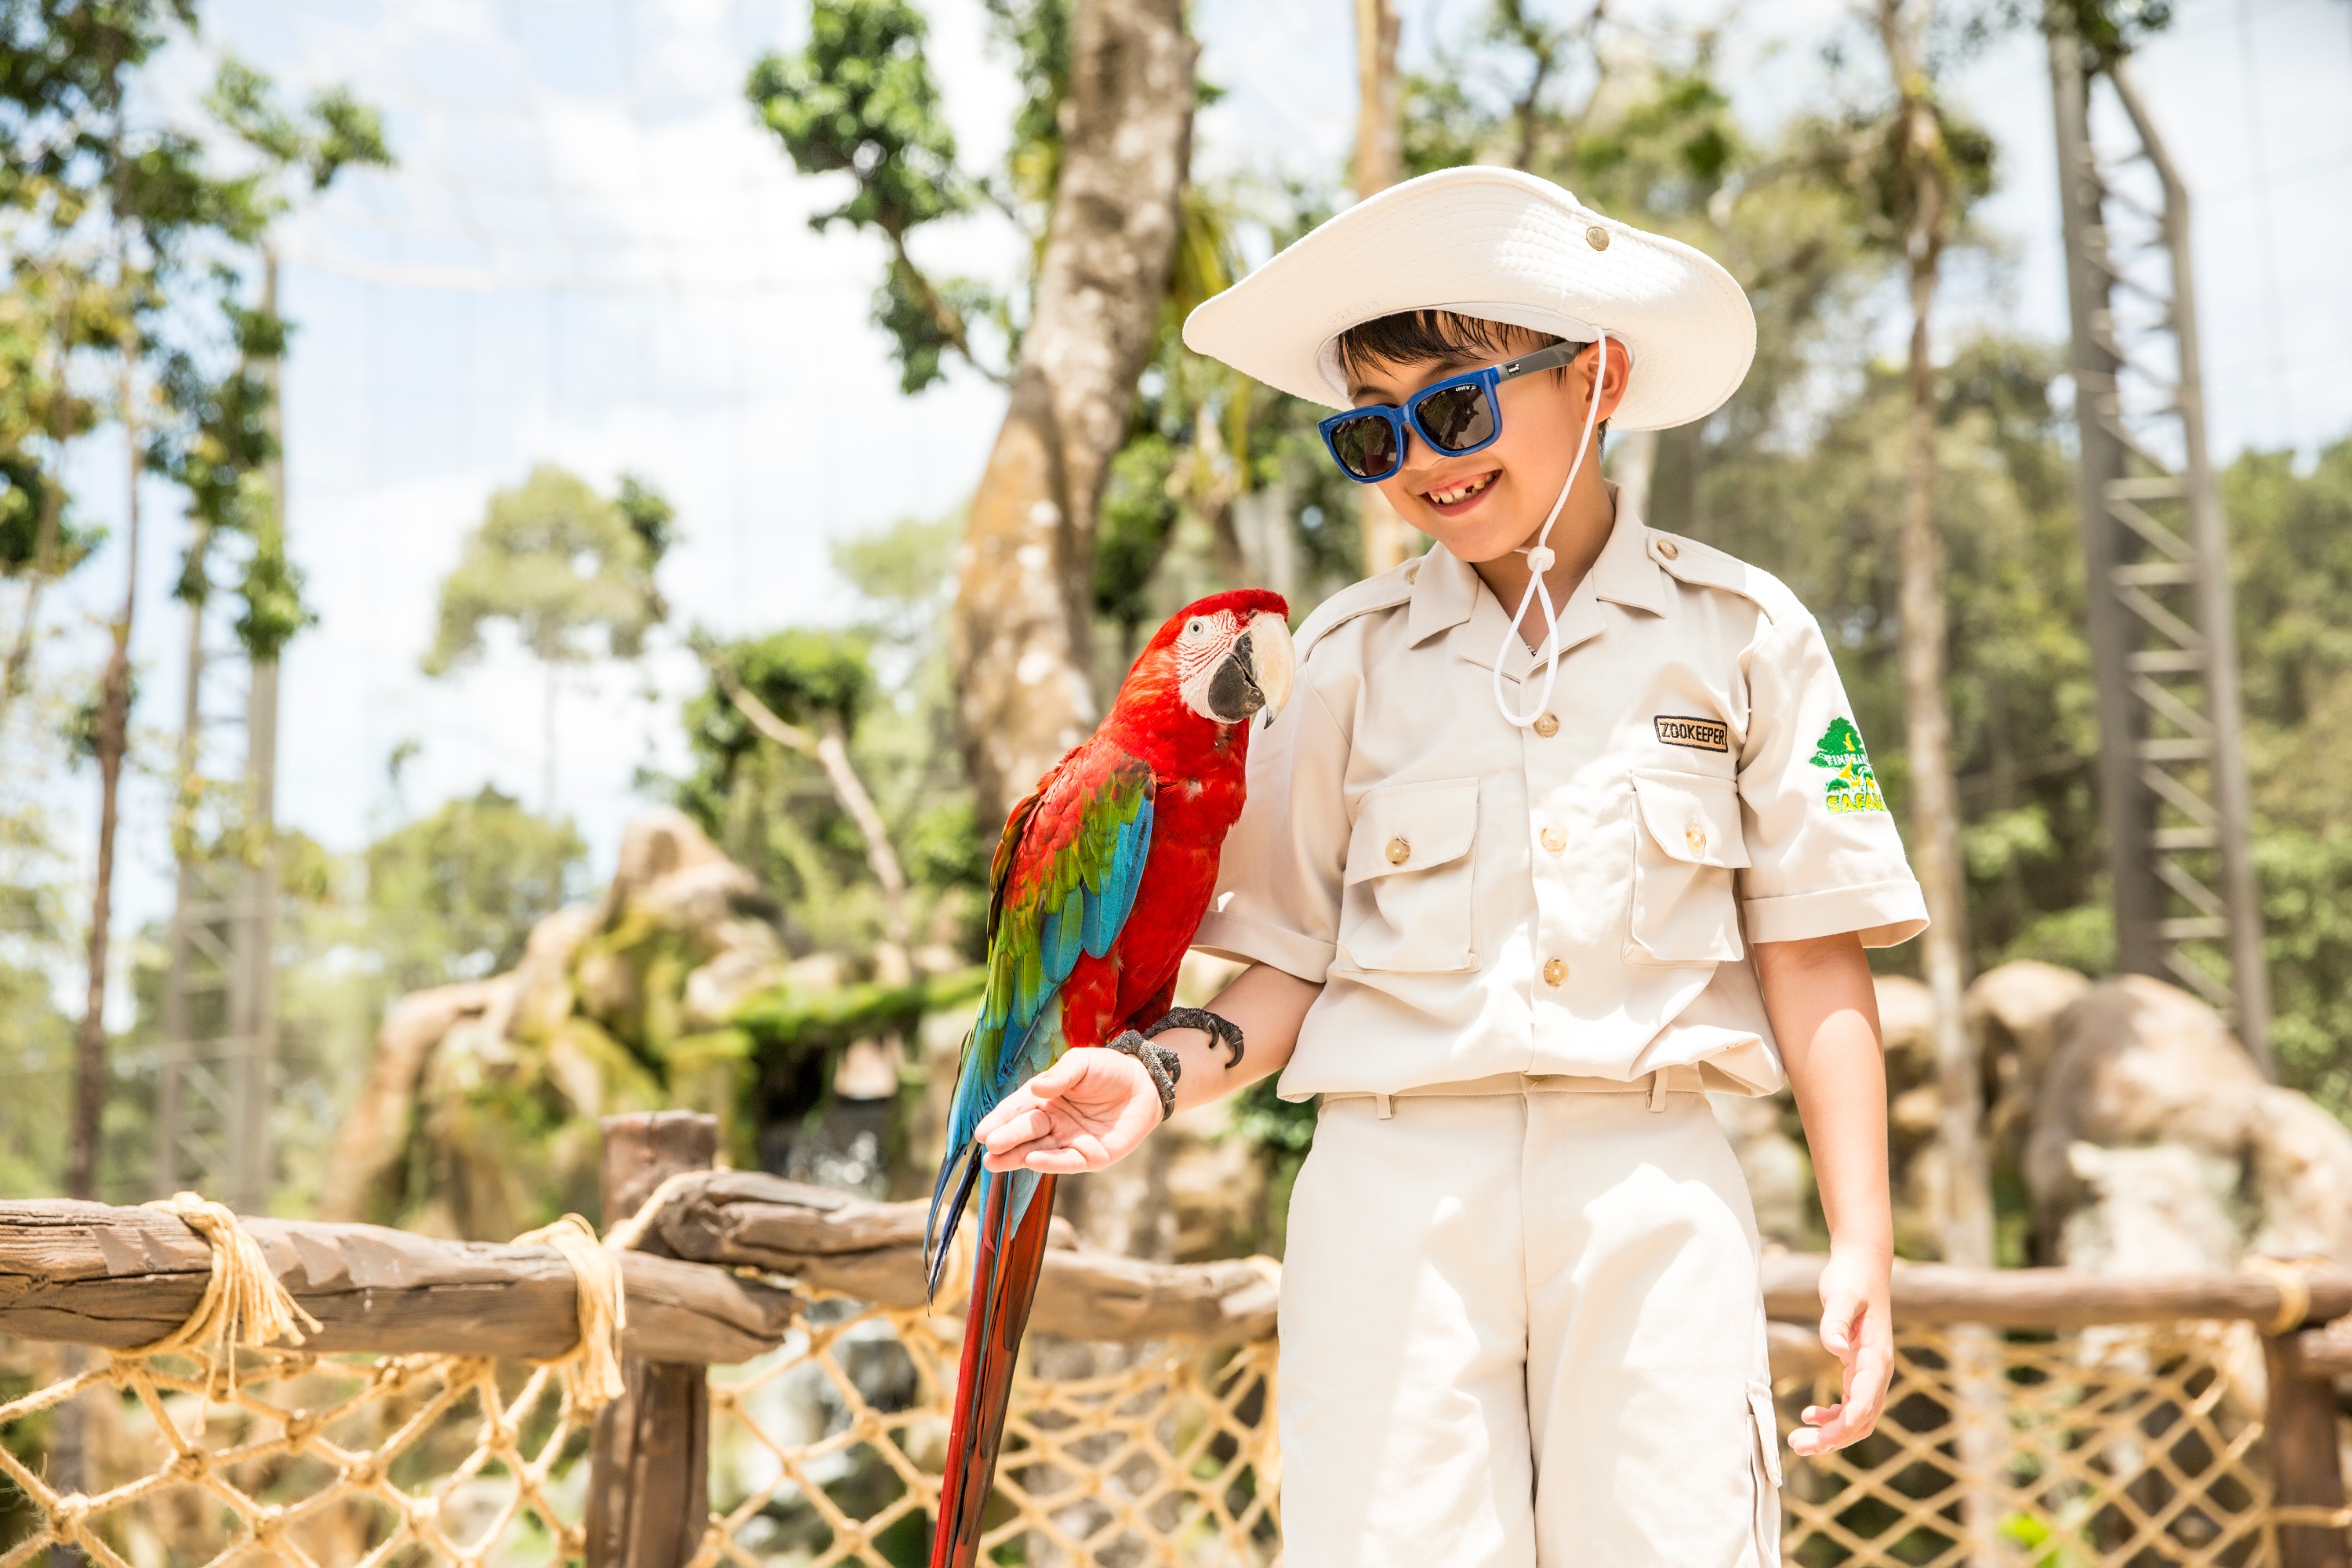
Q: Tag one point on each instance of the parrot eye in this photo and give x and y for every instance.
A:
(1195, 627)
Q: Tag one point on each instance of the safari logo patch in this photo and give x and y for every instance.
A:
(1699, 734)
(1852, 785)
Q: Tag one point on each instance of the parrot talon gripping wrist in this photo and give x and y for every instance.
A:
(1160, 1061)
(1201, 1018)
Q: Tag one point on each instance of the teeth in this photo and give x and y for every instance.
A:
(1447, 498)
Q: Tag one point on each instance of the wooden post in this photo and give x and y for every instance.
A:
(2306, 1472)
(649, 1465)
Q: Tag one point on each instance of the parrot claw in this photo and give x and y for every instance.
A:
(1225, 1029)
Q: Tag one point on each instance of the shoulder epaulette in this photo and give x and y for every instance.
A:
(1392, 587)
(1688, 560)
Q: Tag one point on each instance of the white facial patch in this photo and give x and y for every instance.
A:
(1200, 648)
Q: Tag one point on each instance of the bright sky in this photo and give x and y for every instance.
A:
(590, 254)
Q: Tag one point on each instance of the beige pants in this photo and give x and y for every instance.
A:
(1524, 1328)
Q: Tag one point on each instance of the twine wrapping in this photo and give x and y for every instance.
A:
(590, 1369)
(630, 1232)
(243, 1303)
(2292, 1277)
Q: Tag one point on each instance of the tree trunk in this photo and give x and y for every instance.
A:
(1967, 1220)
(547, 743)
(1935, 790)
(1021, 631)
(113, 742)
(1379, 164)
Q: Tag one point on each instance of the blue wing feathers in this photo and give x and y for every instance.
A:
(1082, 905)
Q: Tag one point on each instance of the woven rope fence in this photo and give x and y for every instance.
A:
(2136, 1446)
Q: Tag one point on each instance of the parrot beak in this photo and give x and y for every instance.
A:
(1256, 672)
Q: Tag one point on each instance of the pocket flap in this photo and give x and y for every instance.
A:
(1695, 819)
(1413, 827)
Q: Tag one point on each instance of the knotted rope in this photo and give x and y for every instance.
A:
(243, 1303)
(590, 1369)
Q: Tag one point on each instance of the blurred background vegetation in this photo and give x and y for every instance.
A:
(813, 991)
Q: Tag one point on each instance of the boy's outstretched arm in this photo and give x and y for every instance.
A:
(1825, 1013)
(1093, 1107)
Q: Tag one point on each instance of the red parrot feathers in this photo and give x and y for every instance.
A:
(1099, 883)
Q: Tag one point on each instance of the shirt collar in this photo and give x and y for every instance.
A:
(1447, 593)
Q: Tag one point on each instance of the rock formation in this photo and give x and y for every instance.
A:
(478, 1117)
(2146, 1139)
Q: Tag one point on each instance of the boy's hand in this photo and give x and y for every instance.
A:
(1089, 1108)
(1857, 1327)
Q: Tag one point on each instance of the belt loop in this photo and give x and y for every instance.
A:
(1385, 1107)
(1658, 1089)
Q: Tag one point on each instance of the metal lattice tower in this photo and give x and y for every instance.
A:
(2172, 781)
(213, 1069)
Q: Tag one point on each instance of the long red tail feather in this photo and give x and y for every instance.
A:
(1003, 1286)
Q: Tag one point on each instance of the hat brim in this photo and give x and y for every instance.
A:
(1500, 245)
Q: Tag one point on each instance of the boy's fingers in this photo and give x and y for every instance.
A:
(1015, 1124)
(1011, 1106)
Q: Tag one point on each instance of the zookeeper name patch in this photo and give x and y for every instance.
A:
(1704, 734)
(1851, 786)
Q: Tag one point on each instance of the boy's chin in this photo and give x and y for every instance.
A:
(1474, 546)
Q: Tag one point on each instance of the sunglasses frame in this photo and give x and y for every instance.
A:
(1398, 418)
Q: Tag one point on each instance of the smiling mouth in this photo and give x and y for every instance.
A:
(1460, 491)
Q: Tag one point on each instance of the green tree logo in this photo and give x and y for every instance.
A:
(1851, 786)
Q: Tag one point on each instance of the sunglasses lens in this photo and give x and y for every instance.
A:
(1457, 418)
(1365, 448)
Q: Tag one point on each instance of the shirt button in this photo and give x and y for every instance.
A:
(1555, 972)
(1696, 838)
(1399, 851)
(1554, 839)
(1669, 549)
(1547, 726)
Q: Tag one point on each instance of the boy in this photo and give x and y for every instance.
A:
(1515, 886)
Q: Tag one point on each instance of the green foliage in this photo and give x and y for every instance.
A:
(884, 681)
(338, 131)
(453, 896)
(860, 100)
(571, 569)
(803, 677)
(1133, 529)
(1038, 32)
(2291, 537)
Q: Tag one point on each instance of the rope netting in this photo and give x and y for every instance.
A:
(2136, 1446)
(829, 1450)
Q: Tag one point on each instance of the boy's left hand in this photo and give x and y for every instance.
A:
(1857, 1327)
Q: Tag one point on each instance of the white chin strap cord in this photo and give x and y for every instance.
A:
(1539, 560)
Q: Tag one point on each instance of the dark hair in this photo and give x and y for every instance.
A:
(1412, 335)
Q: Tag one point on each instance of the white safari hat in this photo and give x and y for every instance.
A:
(1505, 247)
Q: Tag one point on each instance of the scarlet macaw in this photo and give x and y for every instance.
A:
(1098, 885)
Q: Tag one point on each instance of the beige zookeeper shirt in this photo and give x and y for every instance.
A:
(1575, 898)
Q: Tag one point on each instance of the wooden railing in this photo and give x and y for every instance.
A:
(729, 1264)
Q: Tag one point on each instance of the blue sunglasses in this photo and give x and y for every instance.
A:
(1456, 416)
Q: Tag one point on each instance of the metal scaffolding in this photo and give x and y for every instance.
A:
(2172, 780)
(215, 1068)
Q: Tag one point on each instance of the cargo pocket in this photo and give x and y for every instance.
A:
(1686, 844)
(1406, 902)
(1766, 1466)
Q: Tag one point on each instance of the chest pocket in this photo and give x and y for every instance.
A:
(1406, 904)
(1686, 845)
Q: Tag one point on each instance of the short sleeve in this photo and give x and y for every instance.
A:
(1824, 855)
(1278, 880)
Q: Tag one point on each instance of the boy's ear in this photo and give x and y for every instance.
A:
(1614, 377)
